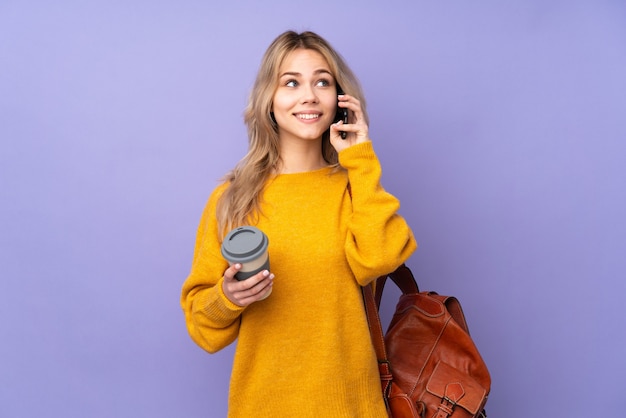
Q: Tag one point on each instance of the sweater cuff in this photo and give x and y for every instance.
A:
(364, 170)
(219, 307)
(349, 157)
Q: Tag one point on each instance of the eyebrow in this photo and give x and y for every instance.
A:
(296, 74)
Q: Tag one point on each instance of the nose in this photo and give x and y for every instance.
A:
(309, 95)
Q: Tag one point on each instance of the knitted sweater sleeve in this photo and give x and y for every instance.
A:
(212, 319)
(378, 239)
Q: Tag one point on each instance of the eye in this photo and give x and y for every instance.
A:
(323, 83)
(291, 83)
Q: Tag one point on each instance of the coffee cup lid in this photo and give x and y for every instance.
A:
(244, 244)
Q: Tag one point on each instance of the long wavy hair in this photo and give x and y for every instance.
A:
(240, 203)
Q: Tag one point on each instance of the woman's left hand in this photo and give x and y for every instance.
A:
(357, 128)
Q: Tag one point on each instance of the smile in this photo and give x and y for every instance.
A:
(308, 116)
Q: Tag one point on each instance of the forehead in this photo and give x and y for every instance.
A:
(303, 61)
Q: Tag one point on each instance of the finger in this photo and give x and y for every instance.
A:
(347, 98)
(337, 132)
(261, 288)
(355, 115)
(258, 278)
(336, 128)
(255, 289)
(232, 286)
(255, 298)
(349, 102)
(354, 128)
(231, 271)
(251, 285)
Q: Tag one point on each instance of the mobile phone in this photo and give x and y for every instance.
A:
(342, 113)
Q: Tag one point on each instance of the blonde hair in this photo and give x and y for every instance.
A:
(240, 203)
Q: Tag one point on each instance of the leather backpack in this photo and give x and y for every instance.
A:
(429, 366)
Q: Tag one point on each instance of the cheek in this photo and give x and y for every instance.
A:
(330, 106)
(281, 102)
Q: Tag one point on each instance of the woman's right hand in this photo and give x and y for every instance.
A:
(246, 292)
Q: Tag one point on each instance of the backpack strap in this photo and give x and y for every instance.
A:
(402, 277)
(378, 340)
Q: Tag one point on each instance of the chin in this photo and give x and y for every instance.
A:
(305, 135)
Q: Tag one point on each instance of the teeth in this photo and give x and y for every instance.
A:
(308, 116)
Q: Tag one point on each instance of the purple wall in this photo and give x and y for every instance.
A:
(501, 127)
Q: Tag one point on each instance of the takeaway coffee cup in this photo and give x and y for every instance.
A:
(246, 245)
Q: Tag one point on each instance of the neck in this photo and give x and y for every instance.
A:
(301, 156)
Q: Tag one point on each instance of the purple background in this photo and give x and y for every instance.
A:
(501, 127)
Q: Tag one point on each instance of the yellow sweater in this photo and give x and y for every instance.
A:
(305, 351)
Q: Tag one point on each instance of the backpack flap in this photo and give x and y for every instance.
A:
(456, 388)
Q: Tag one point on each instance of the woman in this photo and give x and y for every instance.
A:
(304, 347)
